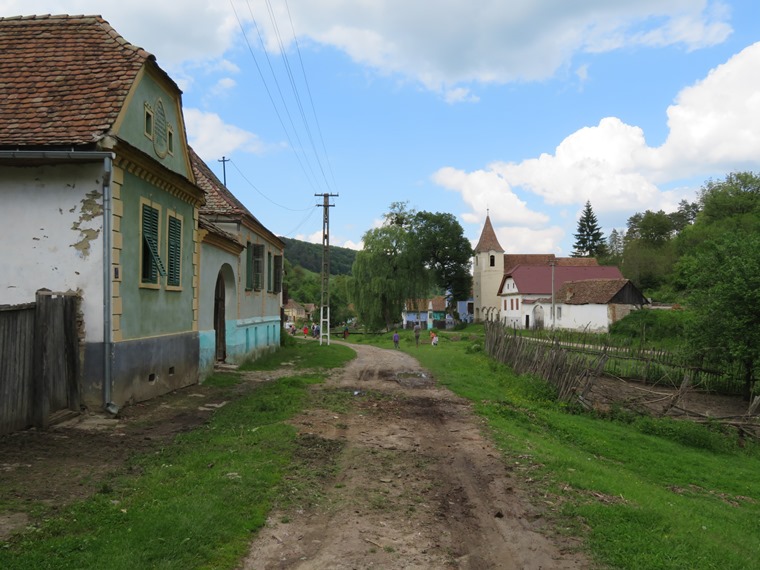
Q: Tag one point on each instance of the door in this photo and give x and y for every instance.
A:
(219, 320)
(527, 322)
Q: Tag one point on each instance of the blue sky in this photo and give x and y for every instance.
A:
(524, 109)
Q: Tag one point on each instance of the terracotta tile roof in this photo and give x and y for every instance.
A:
(537, 279)
(589, 291)
(64, 79)
(438, 303)
(512, 260)
(488, 241)
(219, 200)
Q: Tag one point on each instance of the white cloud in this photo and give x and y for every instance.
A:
(449, 43)
(484, 189)
(714, 128)
(211, 137)
(459, 95)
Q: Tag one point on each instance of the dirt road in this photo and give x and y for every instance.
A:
(418, 486)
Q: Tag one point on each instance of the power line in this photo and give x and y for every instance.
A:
(252, 185)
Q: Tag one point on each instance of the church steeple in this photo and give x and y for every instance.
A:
(488, 241)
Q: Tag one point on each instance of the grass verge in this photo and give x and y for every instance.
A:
(198, 501)
(644, 493)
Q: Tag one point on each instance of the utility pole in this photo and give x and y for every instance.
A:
(324, 309)
(224, 162)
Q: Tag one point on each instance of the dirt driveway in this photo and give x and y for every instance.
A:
(418, 486)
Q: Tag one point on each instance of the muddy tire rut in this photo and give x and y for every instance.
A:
(416, 485)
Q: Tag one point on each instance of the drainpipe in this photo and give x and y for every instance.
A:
(107, 287)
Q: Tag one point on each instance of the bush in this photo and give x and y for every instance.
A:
(651, 325)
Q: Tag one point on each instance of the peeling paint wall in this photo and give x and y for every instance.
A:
(52, 220)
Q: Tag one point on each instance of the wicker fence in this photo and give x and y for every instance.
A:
(39, 360)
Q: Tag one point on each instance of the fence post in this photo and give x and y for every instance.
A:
(40, 405)
(71, 340)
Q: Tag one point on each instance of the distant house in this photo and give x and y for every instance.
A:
(99, 198)
(295, 311)
(429, 313)
(241, 277)
(524, 291)
(595, 304)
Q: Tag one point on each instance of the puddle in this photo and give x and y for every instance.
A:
(414, 379)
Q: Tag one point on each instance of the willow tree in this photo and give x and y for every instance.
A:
(383, 278)
(410, 255)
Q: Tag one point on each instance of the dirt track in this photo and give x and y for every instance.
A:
(418, 486)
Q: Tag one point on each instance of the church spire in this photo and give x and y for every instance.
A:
(488, 241)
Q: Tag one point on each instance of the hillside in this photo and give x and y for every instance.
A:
(309, 256)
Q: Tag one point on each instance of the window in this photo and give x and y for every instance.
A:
(170, 139)
(493, 261)
(277, 273)
(148, 122)
(152, 266)
(517, 304)
(559, 313)
(270, 273)
(174, 251)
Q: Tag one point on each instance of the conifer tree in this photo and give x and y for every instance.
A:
(589, 239)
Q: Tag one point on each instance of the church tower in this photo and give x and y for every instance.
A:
(487, 273)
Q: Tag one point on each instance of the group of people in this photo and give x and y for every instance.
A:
(417, 331)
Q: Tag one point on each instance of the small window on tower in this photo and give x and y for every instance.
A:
(493, 261)
(148, 122)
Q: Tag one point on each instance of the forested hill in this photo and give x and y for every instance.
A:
(309, 256)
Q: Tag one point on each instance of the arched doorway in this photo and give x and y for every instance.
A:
(220, 319)
(538, 317)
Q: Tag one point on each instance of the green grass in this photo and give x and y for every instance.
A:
(645, 493)
(301, 354)
(197, 502)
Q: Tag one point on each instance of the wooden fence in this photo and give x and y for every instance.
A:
(562, 358)
(631, 360)
(39, 360)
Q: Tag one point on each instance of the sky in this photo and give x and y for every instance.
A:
(520, 109)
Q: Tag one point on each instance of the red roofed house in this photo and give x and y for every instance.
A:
(527, 296)
(491, 267)
(100, 197)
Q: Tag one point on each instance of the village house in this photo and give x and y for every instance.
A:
(100, 199)
(429, 313)
(240, 278)
(528, 292)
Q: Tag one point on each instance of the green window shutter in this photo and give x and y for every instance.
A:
(174, 251)
(152, 265)
(258, 267)
(277, 273)
(249, 266)
(270, 274)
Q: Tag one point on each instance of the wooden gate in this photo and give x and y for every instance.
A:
(39, 360)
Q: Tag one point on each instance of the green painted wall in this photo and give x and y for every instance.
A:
(151, 312)
(132, 128)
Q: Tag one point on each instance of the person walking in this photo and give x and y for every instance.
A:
(395, 339)
(417, 334)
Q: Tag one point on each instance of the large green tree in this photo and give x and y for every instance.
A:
(724, 299)
(589, 239)
(411, 255)
(720, 269)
